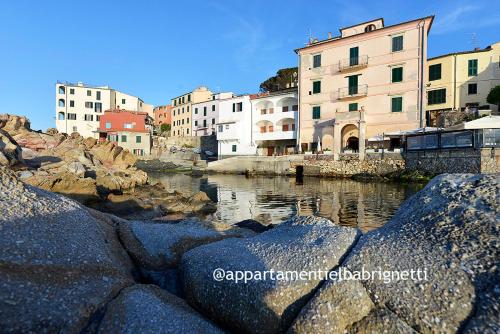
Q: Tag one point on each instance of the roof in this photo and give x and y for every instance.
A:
(488, 122)
(359, 24)
(486, 49)
(275, 93)
(368, 32)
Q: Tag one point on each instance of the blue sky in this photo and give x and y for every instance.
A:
(161, 49)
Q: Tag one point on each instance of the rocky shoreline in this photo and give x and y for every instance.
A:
(68, 268)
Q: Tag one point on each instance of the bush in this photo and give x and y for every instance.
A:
(165, 127)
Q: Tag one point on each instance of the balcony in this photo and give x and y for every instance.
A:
(350, 92)
(353, 63)
(276, 135)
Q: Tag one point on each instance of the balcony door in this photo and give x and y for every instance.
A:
(354, 56)
(353, 84)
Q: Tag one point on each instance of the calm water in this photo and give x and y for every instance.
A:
(366, 205)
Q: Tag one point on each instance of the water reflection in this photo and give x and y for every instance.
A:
(366, 205)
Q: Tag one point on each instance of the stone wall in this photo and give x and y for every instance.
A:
(349, 165)
(485, 160)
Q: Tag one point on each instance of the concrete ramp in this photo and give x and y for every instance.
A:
(281, 165)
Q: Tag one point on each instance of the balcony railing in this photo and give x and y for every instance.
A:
(352, 63)
(350, 92)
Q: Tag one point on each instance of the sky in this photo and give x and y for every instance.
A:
(161, 49)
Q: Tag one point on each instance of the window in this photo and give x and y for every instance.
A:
(370, 27)
(472, 67)
(263, 111)
(75, 129)
(71, 116)
(138, 139)
(183, 110)
(435, 72)
(284, 127)
(354, 56)
(187, 131)
(175, 103)
(98, 107)
(213, 107)
(316, 61)
(204, 111)
(353, 107)
(295, 107)
(316, 112)
(271, 128)
(397, 43)
(98, 117)
(72, 91)
(284, 109)
(239, 106)
(227, 126)
(89, 93)
(316, 87)
(436, 96)
(123, 101)
(61, 103)
(221, 128)
(397, 74)
(62, 90)
(124, 139)
(472, 89)
(128, 126)
(174, 112)
(195, 123)
(98, 95)
(353, 84)
(397, 104)
(183, 99)
(108, 125)
(187, 108)
(89, 105)
(204, 123)
(138, 151)
(187, 120)
(182, 121)
(61, 116)
(233, 148)
(213, 120)
(71, 103)
(189, 98)
(89, 117)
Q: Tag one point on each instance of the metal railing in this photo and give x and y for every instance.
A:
(454, 139)
(354, 62)
(351, 91)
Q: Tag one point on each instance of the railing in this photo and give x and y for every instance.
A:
(354, 62)
(454, 139)
(351, 91)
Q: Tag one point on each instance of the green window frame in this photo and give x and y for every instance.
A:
(352, 82)
(397, 104)
(435, 72)
(354, 56)
(316, 87)
(124, 139)
(397, 74)
(436, 96)
(353, 107)
(316, 61)
(138, 139)
(472, 69)
(316, 112)
(233, 148)
(397, 43)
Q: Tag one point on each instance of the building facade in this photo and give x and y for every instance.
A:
(275, 122)
(79, 106)
(367, 81)
(206, 115)
(234, 128)
(181, 110)
(129, 129)
(162, 115)
(461, 82)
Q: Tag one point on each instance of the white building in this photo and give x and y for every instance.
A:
(205, 115)
(79, 106)
(234, 128)
(275, 122)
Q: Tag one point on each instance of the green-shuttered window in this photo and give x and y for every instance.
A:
(316, 61)
(397, 74)
(138, 139)
(353, 84)
(397, 104)
(472, 67)
(397, 43)
(436, 96)
(316, 87)
(353, 107)
(124, 139)
(435, 72)
(354, 56)
(316, 112)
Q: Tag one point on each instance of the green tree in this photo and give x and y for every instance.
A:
(282, 80)
(494, 96)
(165, 127)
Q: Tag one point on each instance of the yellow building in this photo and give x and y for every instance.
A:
(181, 110)
(461, 82)
(362, 83)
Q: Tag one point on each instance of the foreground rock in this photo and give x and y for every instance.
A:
(449, 229)
(10, 151)
(148, 309)
(58, 264)
(264, 306)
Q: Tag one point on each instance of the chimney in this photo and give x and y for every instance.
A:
(329, 35)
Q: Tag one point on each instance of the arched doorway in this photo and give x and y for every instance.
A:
(350, 140)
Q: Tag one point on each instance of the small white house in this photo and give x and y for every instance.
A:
(234, 128)
(205, 115)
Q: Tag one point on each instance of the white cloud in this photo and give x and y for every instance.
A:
(464, 17)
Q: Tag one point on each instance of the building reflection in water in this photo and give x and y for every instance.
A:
(366, 205)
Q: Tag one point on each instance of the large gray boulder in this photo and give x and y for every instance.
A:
(148, 309)
(58, 264)
(266, 305)
(10, 151)
(450, 231)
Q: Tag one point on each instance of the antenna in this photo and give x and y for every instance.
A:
(473, 40)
